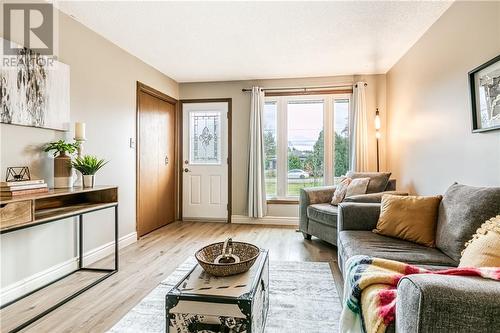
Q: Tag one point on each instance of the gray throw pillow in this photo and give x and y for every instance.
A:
(463, 210)
(378, 180)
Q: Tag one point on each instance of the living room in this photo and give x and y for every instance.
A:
(345, 154)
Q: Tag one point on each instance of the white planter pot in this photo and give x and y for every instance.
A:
(63, 182)
(88, 180)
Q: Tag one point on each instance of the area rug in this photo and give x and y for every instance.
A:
(302, 296)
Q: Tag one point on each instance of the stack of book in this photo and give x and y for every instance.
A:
(9, 190)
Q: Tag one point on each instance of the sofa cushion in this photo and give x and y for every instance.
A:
(462, 211)
(372, 197)
(391, 185)
(378, 180)
(360, 242)
(483, 250)
(357, 186)
(340, 191)
(412, 218)
(323, 213)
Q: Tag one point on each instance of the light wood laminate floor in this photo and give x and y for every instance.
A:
(145, 263)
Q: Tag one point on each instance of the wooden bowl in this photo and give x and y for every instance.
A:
(247, 253)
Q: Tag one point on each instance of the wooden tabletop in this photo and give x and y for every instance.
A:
(57, 192)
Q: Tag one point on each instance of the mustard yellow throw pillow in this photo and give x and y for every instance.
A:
(483, 250)
(412, 218)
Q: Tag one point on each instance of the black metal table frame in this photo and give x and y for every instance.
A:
(108, 272)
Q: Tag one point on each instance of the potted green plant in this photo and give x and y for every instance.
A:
(88, 165)
(63, 177)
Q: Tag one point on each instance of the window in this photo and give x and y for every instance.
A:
(305, 145)
(341, 140)
(270, 162)
(306, 142)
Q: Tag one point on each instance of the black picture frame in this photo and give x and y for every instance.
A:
(476, 125)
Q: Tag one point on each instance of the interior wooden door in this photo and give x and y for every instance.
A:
(166, 159)
(156, 163)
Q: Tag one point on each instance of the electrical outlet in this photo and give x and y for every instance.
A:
(132, 143)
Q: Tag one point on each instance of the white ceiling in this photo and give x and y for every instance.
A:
(219, 41)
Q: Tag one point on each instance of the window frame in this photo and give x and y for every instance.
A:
(282, 139)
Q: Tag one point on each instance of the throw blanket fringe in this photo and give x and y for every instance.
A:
(373, 282)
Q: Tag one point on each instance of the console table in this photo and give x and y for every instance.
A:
(32, 210)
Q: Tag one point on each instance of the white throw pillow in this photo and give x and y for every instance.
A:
(340, 191)
(357, 186)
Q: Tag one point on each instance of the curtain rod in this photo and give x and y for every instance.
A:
(302, 88)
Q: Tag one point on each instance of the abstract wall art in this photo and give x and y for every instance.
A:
(34, 91)
(484, 84)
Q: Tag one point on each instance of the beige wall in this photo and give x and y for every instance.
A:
(241, 116)
(103, 83)
(430, 139)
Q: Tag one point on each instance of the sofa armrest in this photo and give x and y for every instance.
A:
(310, 196)
(358, 216)
(315, 195)
(372, 197)
(438, 303)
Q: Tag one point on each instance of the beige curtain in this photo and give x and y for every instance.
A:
(257, 206)
(359, 137)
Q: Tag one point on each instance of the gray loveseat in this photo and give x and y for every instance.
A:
(429, 303)
(317, 217)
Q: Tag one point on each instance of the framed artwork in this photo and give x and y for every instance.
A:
(484, 82)
(34, 90)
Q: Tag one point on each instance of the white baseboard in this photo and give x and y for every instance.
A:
(39, 279)
(268, 220)
(107, 249)
(203, 219)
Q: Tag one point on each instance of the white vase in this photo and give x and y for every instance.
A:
(88, 180)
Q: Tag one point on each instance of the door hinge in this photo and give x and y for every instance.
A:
(227, 160)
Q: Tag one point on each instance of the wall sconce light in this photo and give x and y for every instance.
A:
(377, 136)
(377, 120)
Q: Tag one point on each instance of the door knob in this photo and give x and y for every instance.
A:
(166, 160)
(186, 170)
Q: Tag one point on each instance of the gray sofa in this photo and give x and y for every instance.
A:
(430, 303)
(317, 217)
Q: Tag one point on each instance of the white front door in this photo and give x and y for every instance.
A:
(205, 161)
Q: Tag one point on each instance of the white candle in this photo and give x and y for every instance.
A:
(80, 131)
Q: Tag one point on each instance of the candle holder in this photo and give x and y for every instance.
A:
(80, 142)
(79, 151)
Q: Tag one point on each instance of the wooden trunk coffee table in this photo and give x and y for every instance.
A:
(203, 303)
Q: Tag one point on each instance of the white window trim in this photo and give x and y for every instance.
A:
(332, 133)
(282, 138)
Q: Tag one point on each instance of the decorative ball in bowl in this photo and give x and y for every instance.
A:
(227, 258)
